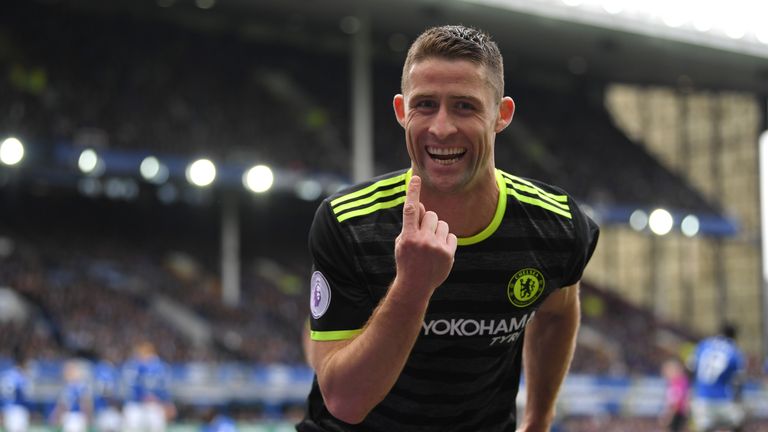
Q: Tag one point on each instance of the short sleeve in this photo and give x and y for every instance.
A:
(339, 302)
(586, 233)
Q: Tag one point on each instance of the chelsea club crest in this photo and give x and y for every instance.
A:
(525, 287)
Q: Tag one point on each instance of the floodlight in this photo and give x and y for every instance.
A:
(152, 170)
(660, 222)
(638, 220)
(11, 151)
(309, 190)
(258, 179)
(690, 225)
(201, 172)
(90, 163)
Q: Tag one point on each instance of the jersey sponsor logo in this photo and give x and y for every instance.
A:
(473, 327)
(320, 297)
(525, 287)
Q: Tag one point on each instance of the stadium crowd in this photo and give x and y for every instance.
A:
(80, 295)
(81, 300)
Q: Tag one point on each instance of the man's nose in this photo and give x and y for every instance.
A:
(442, 124)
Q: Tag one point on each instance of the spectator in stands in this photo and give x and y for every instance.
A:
(675, 414)
(718, 369)
(13, 395)
(74, 406)
(148, 405)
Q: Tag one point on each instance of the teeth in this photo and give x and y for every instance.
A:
(443, 151)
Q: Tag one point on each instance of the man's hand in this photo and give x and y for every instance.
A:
(425, 248)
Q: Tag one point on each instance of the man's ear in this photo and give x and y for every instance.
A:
(506, 112)
(398, 103)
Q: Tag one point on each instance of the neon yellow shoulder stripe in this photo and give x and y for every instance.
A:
(380, 194)
(348, 201)
(369, 189)
(540, 191)
(501, 208)
(368, 210)
(540, 203)
(334, 335)
(542, 194)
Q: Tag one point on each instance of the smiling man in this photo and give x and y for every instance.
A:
(434, 285)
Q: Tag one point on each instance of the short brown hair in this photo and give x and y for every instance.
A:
(455, 42)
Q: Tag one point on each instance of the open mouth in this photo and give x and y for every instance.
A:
(446, 155)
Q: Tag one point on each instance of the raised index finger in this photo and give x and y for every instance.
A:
(411, 206)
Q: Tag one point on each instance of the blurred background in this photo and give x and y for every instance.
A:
(161, 161)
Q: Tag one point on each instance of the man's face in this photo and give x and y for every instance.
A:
(451, 118)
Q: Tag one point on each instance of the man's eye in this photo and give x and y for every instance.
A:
(465, 106)
(426, 104)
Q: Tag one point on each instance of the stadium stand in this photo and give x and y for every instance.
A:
(217, 94)
(85, 294)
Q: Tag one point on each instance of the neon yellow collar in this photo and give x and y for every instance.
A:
(501, 207)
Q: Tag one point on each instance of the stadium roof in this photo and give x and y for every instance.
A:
(606, 54)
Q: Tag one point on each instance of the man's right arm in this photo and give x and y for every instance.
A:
(355, 375)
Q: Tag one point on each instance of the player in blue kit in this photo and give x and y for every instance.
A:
(718, 368)
(221, 423)
(13, 396)
(148, 405)
(106, 397)
(74, 406)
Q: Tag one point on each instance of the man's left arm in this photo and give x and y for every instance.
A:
(550, 340)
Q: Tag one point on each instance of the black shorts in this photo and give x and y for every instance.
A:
(678, 422)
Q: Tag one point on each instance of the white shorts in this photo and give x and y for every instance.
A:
(15, 418)
(709, 414)
(74, 422)
(143, 417)
(108, 420)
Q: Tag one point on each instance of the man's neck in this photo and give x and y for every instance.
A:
(466, 213)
